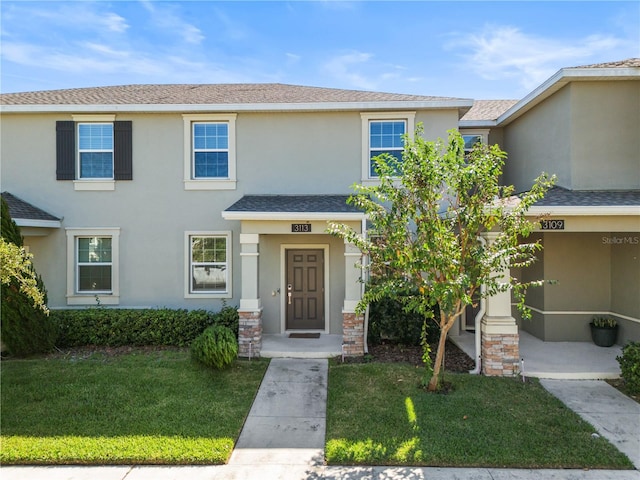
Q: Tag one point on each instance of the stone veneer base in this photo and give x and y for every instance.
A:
(500, 355)
(250, 333)
(352, 334)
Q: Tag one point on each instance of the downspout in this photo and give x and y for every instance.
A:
(363, 270)
(478, 319)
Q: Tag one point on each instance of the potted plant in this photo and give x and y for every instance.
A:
(604, 331)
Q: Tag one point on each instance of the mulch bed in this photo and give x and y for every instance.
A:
(455, 360)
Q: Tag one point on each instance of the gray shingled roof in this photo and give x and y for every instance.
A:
(19, 209)
(294, 203)
(198, 94)
(559, 196)
(627, 63)
(487, 109)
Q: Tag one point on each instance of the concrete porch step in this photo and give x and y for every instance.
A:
(281, 346)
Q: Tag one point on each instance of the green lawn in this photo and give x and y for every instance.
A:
(158, 408)
(378, 415)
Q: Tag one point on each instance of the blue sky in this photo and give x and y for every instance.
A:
(473, 49)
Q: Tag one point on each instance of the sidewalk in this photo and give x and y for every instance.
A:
(284, 434)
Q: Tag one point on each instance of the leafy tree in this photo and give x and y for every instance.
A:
(428, 214)
(26, 327)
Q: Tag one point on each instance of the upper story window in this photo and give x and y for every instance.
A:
(473, 137)
(209, 151)
(383, 133)
(94, 151)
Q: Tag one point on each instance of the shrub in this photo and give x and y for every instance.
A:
(388, 321)
(103, 326)
(228, 317)
(25, 329)
(630, 366)
(216, 347)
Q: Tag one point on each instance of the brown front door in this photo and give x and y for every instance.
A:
(305, 289)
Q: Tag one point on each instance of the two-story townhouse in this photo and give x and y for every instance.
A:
(582, 125)
(194, 195)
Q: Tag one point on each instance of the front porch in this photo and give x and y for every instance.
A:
(558, 360)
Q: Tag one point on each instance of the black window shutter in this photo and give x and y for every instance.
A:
(122, 151)
(65, 150)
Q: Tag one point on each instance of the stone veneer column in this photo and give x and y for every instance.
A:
(352, 323)
(499, 333)
(250, 311)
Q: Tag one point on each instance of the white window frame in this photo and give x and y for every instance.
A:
(482, 133)
(92, 183)
(187, 264)
(192, 183)
(74, 297)
(408, 117)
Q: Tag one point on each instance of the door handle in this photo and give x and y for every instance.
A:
(289, 295)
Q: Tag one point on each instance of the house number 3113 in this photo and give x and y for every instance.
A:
(301, 227)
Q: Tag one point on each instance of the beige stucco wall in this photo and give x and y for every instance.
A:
(586, 133)
(539, 141)
(605, 126)
(278, 153)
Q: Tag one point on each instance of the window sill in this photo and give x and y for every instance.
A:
(89, 299)
(208, 295)
(90, 185)
(210, 184)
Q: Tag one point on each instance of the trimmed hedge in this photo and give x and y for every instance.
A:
(389, 322)
(101, 326)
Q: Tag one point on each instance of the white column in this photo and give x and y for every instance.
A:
(352, 275)
(249, 254)
(499, 331)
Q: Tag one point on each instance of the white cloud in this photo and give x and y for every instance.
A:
(349, 68)
(166, 18)
(499, 52)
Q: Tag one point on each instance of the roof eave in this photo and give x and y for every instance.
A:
(328, 216)
(602, 210)
(559, 80)
(28, 222)
(242, 107)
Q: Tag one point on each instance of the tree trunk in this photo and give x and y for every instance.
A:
(434, 383)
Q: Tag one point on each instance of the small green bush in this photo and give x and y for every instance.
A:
(228, 317)
(388, 321)
(103, 326)
(216, 347)
(630, 366)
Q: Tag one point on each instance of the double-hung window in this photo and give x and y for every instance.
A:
(92, 265)
(208, 264)
(473, 137)
(383, 133)
(94, 151)
(209, 152)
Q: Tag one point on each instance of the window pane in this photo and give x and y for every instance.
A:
(96, 165)
(94, 250)
(210, 136)
(211, 165)
(208, 278)
(94, 278)
(397, 154)
(471, 140)
(95, 136)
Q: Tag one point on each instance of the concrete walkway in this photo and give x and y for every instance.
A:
(284, 434)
